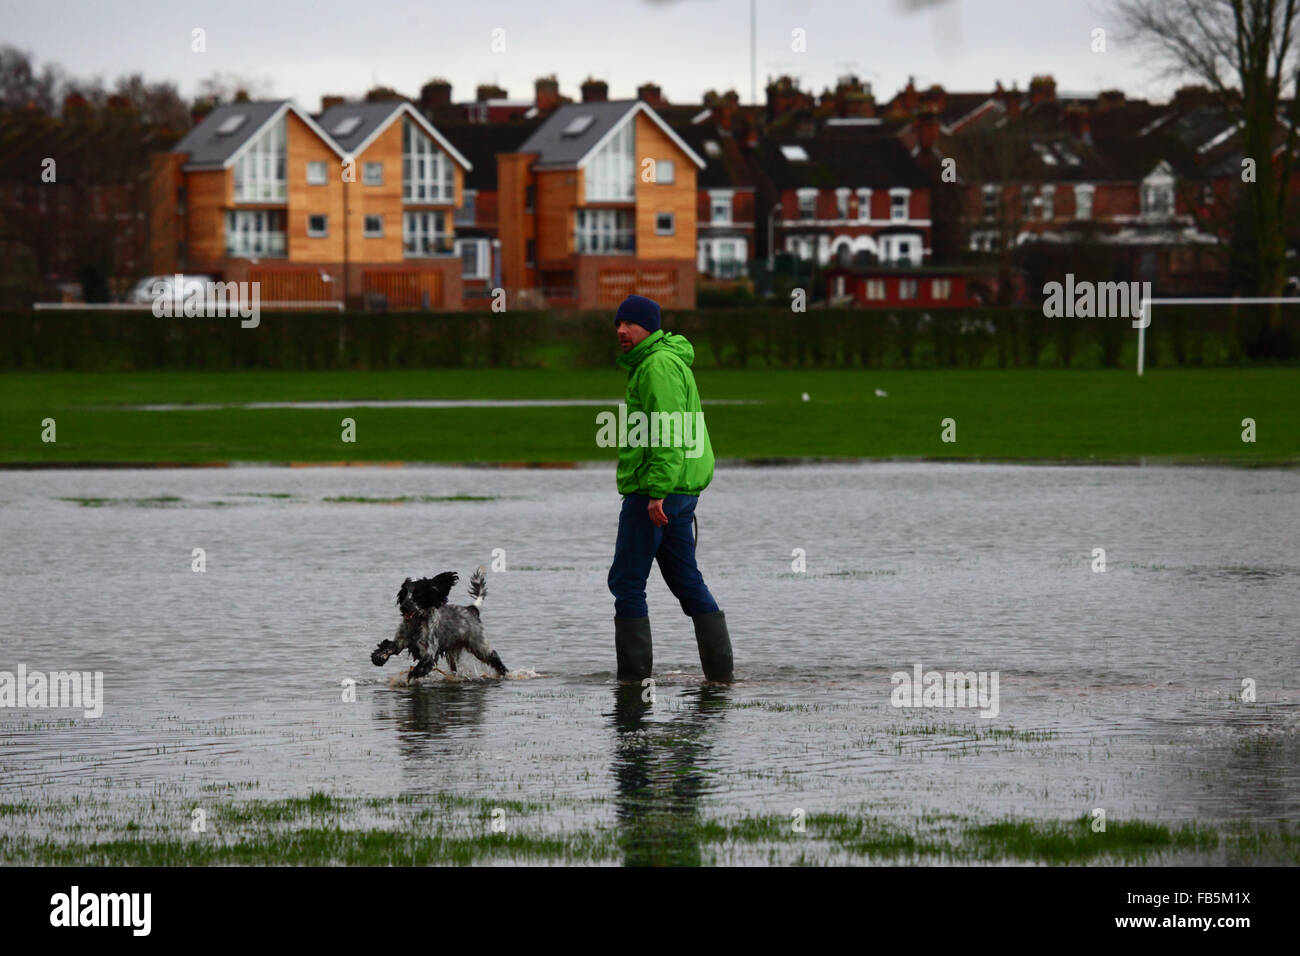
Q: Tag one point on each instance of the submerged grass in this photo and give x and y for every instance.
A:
(405, 499)
(451, 829)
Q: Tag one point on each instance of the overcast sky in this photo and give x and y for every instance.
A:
(301, 49)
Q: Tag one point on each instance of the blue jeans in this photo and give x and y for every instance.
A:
(641, 541)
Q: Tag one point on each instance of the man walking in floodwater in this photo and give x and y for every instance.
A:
(664, 462)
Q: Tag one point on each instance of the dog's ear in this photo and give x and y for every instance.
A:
(403, 591)
(432, 592)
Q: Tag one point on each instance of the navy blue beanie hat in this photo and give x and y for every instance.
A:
(637, 308)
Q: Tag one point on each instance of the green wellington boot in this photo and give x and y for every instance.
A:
(632, 645)
(715, 645)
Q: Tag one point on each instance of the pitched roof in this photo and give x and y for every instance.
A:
(210, 147)
(724, 166)
(353, 126)
(842, 156)
(559, 149)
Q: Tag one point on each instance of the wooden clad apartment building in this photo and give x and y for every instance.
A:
(599, 202)
(358, 202)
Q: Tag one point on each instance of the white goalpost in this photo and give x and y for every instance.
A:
(1148, 313)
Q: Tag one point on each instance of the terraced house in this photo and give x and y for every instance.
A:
(598, 202)
(357, 202)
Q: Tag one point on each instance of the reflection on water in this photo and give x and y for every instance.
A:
(660, 772)
(1120, 689)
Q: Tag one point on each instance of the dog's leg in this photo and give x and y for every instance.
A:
(488, 656)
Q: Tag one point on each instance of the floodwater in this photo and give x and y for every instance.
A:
(1120, 689)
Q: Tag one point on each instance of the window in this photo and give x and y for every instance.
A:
(346, 126)
(720, 208)
(260, 172)
(425, 234)
(665, 171)
(875, 288)
(374, 227)
(940, 288)
(465, 212)
(317, 173)
(251, 233)
(610, 172)
(1157, 199)
(473, 258)
(1083, 201)
(731, 258)
(904, 249)
(530, 253)
(427, 172)
(898, 203)
(578, 125)
(318, 226)
(992, 202)
(722, 258)
(373, 174)
(604, 230)
(230, 124)
(530, 198)
(1049, 206)
(807, 204)
(1027, 197)
(665, 224)
(864, 203)
(842, 203)
(1207, 195)
(907, 288)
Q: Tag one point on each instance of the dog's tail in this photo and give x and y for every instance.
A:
(478, 586)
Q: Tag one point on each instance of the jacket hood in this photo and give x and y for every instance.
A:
(658, 341)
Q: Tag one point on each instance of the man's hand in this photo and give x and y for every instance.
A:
(657, 512)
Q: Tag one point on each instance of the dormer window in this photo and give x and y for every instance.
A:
(1158, 192)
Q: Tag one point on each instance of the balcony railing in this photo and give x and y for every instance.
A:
(255, 245)
(619, 241)
(426, 248)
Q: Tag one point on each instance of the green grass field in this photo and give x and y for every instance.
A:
(1184, 415)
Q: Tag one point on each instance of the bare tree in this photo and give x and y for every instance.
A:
(21, 86)
(1245, 46)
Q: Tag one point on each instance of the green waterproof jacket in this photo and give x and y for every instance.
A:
(665, 448)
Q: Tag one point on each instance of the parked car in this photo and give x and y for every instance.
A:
(150, 287)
